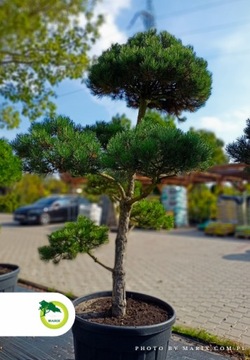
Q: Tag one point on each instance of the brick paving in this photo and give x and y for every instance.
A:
(206, 279)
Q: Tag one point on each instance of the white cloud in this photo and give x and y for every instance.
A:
(228, 126)
(109, 31)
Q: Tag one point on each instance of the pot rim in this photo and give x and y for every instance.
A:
(144, 328)
(14, 270)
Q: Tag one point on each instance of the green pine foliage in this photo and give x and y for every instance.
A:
(150, 150)
(57, 144)
(150, 214)
(81, 236)
(154, 71)
(155, 151)
(106, 130)
(239, 150)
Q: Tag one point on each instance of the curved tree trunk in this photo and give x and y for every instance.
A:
(119, 281)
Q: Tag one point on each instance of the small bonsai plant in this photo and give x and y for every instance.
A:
(150, 71)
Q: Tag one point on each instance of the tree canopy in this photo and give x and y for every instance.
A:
(154, 71)
(41, 43)
(150, 149)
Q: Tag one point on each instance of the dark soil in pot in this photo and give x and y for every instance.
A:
(138, 312)
(5, 269)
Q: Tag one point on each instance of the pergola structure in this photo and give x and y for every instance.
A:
(233, 173)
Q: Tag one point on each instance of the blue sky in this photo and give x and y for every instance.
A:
(219, 31)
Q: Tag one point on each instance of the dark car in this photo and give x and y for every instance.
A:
(51, 209)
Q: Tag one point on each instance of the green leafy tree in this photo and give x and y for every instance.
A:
(218, 156)
(202, 204)
(42, 43)
(10, 165)
(150, 215)
(150, 71)
(53, 185)
(160, 118)
(28, 189)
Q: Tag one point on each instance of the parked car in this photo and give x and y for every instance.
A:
(52, 209)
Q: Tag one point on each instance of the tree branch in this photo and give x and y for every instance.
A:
(120, 187)
(162, 177)
(144, 194)
(13, 61)
(99, 262)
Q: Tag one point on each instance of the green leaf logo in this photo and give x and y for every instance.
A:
(54, 314)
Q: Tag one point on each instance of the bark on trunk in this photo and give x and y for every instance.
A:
(119, 283)
(142, 110)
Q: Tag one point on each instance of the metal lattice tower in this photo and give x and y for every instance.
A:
(147, 16)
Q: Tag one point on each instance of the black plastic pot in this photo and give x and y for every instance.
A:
(94, 341)
(8, 281)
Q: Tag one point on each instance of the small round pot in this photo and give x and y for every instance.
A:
(8, 281)
(93, 341)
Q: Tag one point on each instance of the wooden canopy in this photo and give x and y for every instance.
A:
(234, 173)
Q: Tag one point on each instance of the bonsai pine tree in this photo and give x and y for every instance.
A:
(152, 71)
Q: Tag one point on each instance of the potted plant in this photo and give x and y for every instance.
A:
(8, 277)
(150, 71)
(10, 172)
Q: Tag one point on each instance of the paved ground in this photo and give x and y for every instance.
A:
(206, 279)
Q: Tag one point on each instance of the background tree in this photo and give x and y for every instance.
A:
(151, 70)
(218, 155)
(41, 44)
(150, 215)
(202, 201)
(10, 165)
(239, 150)
(202, 204)
(160, 118)
(28, 189)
